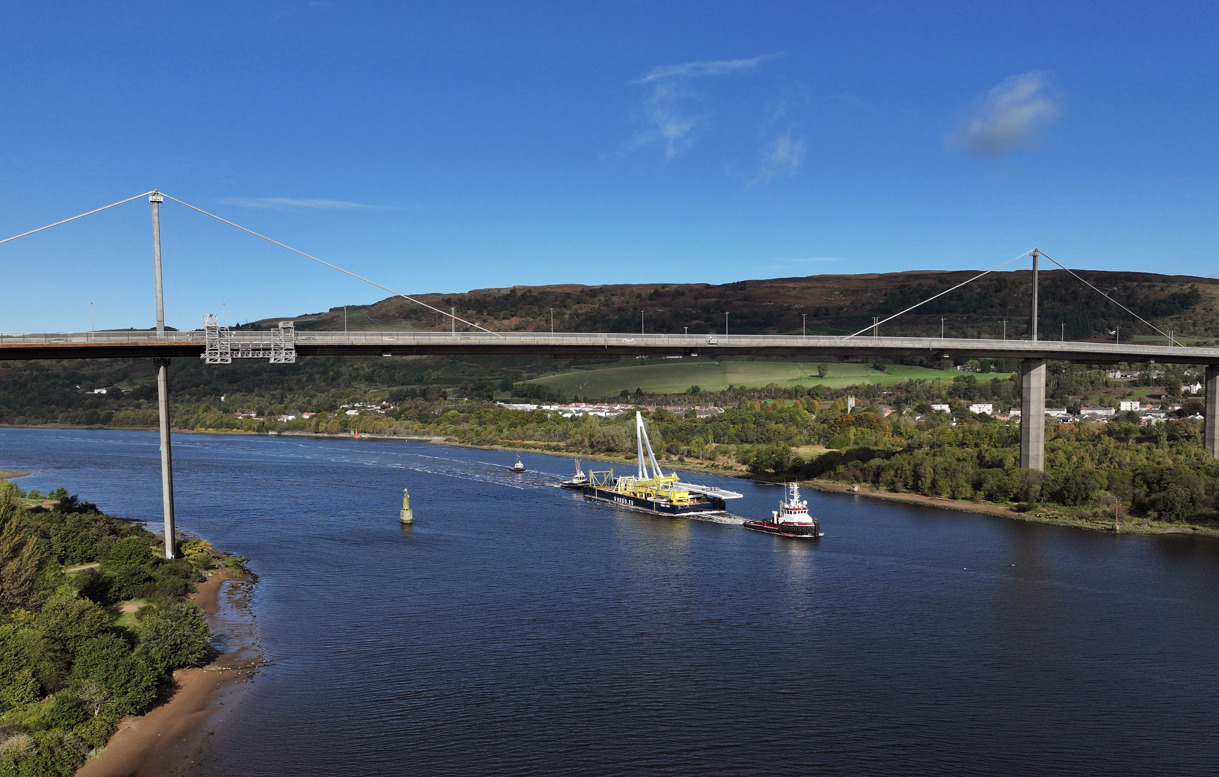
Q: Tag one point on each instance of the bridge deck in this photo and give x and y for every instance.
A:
(77, 345)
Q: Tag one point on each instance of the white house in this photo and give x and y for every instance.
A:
(1128, 405)
(982, 408)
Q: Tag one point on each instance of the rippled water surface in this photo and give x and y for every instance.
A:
(517, 629)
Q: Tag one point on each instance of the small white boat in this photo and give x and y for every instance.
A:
(518, 466)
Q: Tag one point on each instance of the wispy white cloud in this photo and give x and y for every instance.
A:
(671, 112)
(292, 203)
(782, 151)
(700, 69)
(1010, 116)
(781, 158)
(671, 119)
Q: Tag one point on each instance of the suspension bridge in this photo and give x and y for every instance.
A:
(283, 344)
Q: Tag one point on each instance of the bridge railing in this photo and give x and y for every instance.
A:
(132, 336)
(643, 343)
(709, 342)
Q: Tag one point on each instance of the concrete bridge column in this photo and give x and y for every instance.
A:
(1212, 409)
(167, 467)
(1032, 414)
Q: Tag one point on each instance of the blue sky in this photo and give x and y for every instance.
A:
(459, 145)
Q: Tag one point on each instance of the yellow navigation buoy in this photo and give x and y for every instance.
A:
(406, 516)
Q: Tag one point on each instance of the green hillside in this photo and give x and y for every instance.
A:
(991, 306)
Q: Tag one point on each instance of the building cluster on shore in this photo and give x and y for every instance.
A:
(1146, 413)
(575, 409)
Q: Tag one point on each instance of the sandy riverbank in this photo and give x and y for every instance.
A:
(167, 739)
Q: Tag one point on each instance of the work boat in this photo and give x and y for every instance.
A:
(578, 480)
(791, 519)
(519, 466)
(651, 490)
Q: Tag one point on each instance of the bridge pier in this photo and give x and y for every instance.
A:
(1211, 435)
(1032, 414)
(167, 467)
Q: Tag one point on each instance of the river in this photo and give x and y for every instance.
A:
(517, 629)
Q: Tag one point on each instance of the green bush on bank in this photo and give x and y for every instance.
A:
(68, 669)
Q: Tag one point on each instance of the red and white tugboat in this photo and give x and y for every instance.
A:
(791, 519)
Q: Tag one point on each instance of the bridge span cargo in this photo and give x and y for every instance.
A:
(652, 491)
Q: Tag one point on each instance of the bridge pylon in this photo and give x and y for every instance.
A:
(1032, 414)
(1211, 431)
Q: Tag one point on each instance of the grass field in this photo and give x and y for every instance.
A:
(675, 377)
(1181, 340)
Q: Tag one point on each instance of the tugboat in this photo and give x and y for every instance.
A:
(791, 519)
(578, 480)
(518, 466)
(651, 490)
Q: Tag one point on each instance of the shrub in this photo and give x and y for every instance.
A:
(175, 637)
(198, 552)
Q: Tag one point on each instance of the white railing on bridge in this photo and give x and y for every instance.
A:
(622, 341)
(76, 338)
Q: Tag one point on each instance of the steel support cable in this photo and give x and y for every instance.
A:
(1111, 299)
(74, 218)
(331, 266)
(937, 296)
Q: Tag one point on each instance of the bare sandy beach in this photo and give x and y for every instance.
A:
(167, 739)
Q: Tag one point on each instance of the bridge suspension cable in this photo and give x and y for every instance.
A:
(74, 218)
(937, 296)
(1111, 299)
(331, 266)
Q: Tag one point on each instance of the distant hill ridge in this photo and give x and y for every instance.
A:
(825, 304)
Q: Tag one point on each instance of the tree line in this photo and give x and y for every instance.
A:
(93, 620)
(890, 439)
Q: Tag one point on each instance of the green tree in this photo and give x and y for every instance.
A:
(176, 636)
(610, 439)
(131, 551)
(19, 555)
(111, 679)
(1080, 487)
(63, 626)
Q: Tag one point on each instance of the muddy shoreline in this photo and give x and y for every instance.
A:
(169, 739)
